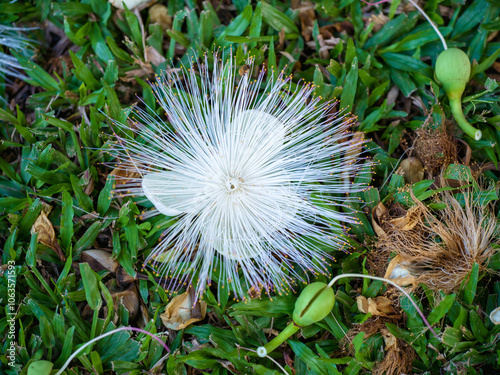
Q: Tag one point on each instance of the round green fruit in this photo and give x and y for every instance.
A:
(314, 304)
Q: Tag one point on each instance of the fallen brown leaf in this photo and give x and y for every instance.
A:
(379, 212)
(379, 21)
(128, 298)
(398, 272)
(410, 220)
(181, 311)
(379, 306)
(413, 170)
(99, 260)
(46, 234)
(307, 18)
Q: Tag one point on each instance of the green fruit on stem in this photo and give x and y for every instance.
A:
(453, 72)
(314, 304)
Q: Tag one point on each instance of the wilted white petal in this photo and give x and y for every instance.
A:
(495, 316)
(131, 4)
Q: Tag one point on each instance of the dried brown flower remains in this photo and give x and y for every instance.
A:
(440, 249)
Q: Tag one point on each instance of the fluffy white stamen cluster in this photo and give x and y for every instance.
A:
(253, 171)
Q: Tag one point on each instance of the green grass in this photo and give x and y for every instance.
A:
(91, 62)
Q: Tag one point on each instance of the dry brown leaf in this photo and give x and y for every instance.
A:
(357, 142)
(390, 341)
(144, 71)
(398, 272)
(379, 306)
(128, 298)
(307, 18)
(99, 260)
(45, 230)
(326, 43)
(46, 234)
(288, 56)
(410, 220)
(281, 38)
(153, 56)
(123, 175)
(378, 214)
(446, 11)
(413, 170)
(181, 312)
(392, 95)
(143, 317)
(379, 21)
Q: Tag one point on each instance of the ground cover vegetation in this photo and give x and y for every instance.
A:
(73, 248)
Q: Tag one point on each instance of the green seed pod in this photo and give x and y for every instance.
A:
(453, 72)
(314, 304)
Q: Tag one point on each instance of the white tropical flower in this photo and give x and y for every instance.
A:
(253, 172)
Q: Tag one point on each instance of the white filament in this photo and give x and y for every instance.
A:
(253, 171)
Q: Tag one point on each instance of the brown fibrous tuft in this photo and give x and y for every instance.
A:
(440, 249)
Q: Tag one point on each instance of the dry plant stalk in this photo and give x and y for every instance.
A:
(441, 250)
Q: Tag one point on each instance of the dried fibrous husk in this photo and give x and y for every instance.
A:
(399, 354)
(399, 357)
(440, 250)
(182, 311)
(379, 306)
(435, 147)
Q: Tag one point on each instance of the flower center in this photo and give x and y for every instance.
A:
(233, 184)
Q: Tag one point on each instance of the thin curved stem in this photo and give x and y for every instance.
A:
(80, 349)
(255, 351)
(434, 26)
(345, 275)
(445, 46)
